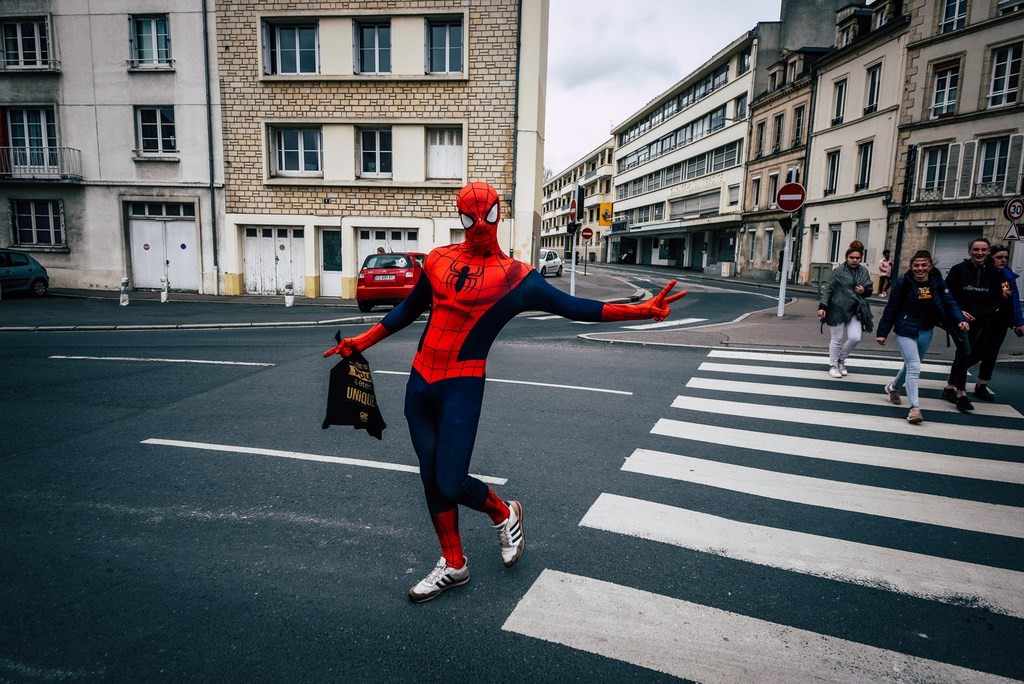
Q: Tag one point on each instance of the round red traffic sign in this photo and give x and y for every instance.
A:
(1013, 210)
(586, 233)
(791, 197)
(572, 211)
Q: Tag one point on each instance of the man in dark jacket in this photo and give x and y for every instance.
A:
(977, 286)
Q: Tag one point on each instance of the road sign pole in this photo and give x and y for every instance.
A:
(572, 278)
(784, 273)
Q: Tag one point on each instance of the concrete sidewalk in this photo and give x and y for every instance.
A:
(798, 330)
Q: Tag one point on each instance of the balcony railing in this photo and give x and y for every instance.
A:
(929, 195)
(40, 163)
(989, 189)
(28, 66)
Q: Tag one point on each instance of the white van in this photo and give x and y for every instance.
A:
(550, 262)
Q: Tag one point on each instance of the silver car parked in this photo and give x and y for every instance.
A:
(20, 272)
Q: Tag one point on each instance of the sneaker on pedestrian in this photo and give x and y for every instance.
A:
(894, 394)
(964, 404)
(984, 393)
(835, 372)
(915, 416)
(510, 534)
(439, 579)
(949, 394)
(842, 369)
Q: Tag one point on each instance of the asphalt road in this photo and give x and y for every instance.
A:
(167, 520)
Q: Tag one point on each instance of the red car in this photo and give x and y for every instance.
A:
(388, 278)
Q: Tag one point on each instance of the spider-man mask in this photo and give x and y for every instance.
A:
(479, 211)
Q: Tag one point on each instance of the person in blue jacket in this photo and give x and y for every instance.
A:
(1012, 317)
(918, 302)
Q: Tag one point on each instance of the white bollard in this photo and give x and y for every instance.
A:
(289, 294)
(124, 292)
(163, 290)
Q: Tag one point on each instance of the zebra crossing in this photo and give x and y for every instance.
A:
(705, 643)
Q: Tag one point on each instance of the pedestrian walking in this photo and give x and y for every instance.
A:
(977, 286)
(919, 302)
(474, 289)
(1010, 316)
(844, 308)
(884, 274)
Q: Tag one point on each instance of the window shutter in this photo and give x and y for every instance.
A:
(132, 57)
(268, 49)
(952, 171)
(1013, 165)
(967, 169)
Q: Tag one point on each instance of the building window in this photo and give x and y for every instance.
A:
(38, 223)
(744, 63)
(773, 189)
(375, 152)
(444, 38)
(1005, 75)
(297, 152)
(741, 107)
(769, 244)
(933, 179)
(26, 43)
(798, 126)
(993, 161)
(1007, 6)
(760, 139)
(954, 14)
(874, 80)
(373, 40)
(734, 195)
(150, 42)
(835, 230)
(161, 210)
(864, 152)
(33, 141)
(755, 193)
(879, 18)
(947, 80)
(838, 102)
(290, 49)
(154, 130)
(832, 177)
(444, 153)
(778, 125)
(752, 251)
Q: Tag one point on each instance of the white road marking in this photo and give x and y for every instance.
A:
(845, 452)
(705, 644)
(854, 362)
(914, 574)
(851, 421)
(805, 374)
(544, 318)
(535, 384)
(663, 324)
(848, 396)
(153, 360)
(843, 496)
(234, 449)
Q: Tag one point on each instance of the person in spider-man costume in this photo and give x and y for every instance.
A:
(475, 289)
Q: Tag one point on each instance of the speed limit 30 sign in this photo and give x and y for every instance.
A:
(1013, 210)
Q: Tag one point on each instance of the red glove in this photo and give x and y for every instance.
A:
(657, 307)
(346, 346)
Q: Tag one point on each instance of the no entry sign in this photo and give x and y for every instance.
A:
(791, 197)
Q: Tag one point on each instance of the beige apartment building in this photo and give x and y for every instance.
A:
(780, 121)
(594, 171)
(859, 89)
(350, 126)
(961, 128)
(110, 155)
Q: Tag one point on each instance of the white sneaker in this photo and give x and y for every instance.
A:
(510, 534)
(835, 372)
(842, 369)
(440, 578)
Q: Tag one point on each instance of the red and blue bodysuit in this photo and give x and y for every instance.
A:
(474, 290)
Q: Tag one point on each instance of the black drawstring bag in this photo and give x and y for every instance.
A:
(351, 399)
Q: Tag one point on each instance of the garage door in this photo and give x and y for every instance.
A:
(950, 247)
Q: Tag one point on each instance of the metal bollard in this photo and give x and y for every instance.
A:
(289, 294)
(163, 290)
(124, 291)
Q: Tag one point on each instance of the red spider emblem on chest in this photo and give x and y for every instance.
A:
(463, 278)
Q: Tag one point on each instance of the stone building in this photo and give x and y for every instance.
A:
(110, 150)
(352, 125)
(594, 172)
(961, 128)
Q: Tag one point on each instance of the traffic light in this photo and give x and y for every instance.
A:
(572, 228)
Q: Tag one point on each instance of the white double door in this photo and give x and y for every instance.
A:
(164, 249)
(274, 256)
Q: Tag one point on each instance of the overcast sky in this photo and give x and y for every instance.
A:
(608, 58)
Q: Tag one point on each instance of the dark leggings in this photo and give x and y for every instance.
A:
(985, 339)
(988, 361)
(443, 419)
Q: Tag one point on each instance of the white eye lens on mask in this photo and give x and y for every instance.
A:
(467, 221)
(492, 215)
